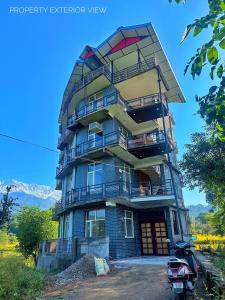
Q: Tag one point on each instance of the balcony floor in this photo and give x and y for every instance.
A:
(149, 150)
(143, 114)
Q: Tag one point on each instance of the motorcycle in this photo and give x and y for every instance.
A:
(182, 270)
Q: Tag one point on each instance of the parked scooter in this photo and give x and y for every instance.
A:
(182, 270)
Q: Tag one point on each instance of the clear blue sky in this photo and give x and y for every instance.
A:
(37, 54)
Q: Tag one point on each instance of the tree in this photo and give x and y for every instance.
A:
(6, 207)
(34, 225)
(203, 166)
(211, 105)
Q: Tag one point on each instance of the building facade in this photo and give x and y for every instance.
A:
(117, 166)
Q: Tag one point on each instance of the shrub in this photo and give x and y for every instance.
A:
(209, 242)
(18, 279)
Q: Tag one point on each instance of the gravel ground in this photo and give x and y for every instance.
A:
(132, 283)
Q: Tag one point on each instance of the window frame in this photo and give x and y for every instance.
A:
(96, 168)
(90, 233)
(66, 225)
(176, 229)
(125, 223)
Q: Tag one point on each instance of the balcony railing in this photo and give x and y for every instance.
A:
(90, 76)
(95, 106)
(145, 101)
(90, 146)
(66, 134)
(116, 189)
(117, 77)
(147, 139)
(134, 70)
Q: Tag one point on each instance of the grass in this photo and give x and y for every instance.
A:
(19, 279)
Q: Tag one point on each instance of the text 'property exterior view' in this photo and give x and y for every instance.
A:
(117, 167)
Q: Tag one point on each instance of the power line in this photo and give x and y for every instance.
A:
(28, 142)
(55, 151)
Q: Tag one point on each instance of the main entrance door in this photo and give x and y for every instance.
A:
(153, 238)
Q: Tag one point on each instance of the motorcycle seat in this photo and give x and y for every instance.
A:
(178, 260)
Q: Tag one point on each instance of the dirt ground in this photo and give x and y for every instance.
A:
(132, 283)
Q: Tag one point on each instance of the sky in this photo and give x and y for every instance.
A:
(37, 55)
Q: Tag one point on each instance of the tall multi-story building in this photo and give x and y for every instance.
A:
(117, 167)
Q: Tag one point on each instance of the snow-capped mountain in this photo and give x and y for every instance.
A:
(42, 196)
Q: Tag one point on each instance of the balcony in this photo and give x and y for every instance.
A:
(92, 148)
(102, 77)
(64, 139)
(118, 189)
(94, 111)
(147, 108)
(134, 70)
(149, 144)
(90, 76)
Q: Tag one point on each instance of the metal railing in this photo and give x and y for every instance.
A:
(117, 77)
(145, 101)
(134, 70)
(92, 145)
(146, 139)
(116, 189)
(90, 76)
(64, 136)
(96, 106)
(142, 140)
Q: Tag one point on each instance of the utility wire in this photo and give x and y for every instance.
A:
(28, 142)
(55, 151)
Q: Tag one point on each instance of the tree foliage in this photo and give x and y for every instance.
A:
(211, 53)
(34, 225)
(203, 166)
(7, 204)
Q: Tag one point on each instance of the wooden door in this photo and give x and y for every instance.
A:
(153, 238)
(160, 235)
(146, 239)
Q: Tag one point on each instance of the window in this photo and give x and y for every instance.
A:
(129, 224)
(95, 223)
(126, 177)
(175, 223)
(66, 227)
(94, 175)
(123, 131)
(95, 139)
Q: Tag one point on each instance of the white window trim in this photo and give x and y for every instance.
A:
(125, 224)
(94, 171)
(90, 222)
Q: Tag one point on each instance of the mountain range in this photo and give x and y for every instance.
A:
(45, 196)
(42, 196)
(195, 210)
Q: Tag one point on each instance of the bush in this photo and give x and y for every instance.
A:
(209, 242)
(219, 261)
(19, 280)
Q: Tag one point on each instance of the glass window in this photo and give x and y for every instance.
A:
(66, 227)
(95, 223)
(94, 175)
(175, 223)
(129, 224)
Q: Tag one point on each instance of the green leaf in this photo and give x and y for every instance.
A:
(222, 5)
(222, 44)
(212, 55)
(220, 71)
(212, 72)
(186, 32)
(197, 30)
